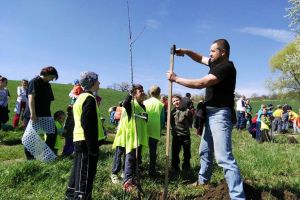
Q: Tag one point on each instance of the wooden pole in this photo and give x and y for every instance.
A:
(165, 194)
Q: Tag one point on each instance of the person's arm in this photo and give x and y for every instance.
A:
(33, 116)
(193, 55)
(89, 122)
(127, 105)
(204, 82)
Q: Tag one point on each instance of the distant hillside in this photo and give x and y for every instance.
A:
(61, 91)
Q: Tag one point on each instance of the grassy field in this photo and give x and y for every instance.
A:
(292, 102)
(268, 167)
(271, 168)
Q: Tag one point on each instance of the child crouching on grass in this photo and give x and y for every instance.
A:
(87, 133)
(59, 119)
(180, 118)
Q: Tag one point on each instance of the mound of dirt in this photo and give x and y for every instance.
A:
(220, 192)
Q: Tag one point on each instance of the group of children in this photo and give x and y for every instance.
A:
(268, 122)
(140, 128)
(139, 123)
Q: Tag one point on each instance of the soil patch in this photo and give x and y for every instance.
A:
(220, 192)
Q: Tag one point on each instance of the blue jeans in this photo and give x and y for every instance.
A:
(117, 163)
(240, 124)
(217, 140)
(258, 131)
(130, 164)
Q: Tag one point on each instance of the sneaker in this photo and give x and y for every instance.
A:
(128, 186)
(122, 175)
(114, 179)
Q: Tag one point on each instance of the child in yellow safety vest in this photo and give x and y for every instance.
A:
(265, 126)
(135, 134)
(59, 119)
(156, 115)
(87, 133)
(293, 118)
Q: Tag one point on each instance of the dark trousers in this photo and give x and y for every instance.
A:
(258, 131)
(117, 163)
(285, 122)
(130, 164)
(28, 155)
(83, 172)
(240, 124)
(276, 124)
(177, 142)
(69, 146)
(152, 153)
(68, 133)
(50, 141)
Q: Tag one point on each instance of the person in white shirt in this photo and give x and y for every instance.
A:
(240, 113)
(22, 102)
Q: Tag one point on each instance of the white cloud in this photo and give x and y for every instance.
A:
(152, 23)
(274, 34)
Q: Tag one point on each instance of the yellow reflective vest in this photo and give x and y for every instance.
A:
(125, 136)
(59, 138)
(78, 133)
(154, 108)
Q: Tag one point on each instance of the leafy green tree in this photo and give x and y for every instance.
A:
(287, 61)
(294, 15)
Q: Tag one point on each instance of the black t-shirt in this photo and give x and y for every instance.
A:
(43, 96)
(221, 94)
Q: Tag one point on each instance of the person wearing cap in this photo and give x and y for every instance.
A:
(135, 135)
(156, 120)
(87, 133)
(76, 91)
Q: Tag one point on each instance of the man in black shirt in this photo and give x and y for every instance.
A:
(219, 101)
(40, 96)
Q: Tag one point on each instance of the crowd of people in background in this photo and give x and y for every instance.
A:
(267, 121)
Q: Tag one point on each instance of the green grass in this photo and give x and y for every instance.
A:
(292, 102)
(268, 166)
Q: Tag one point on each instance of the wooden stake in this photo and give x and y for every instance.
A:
(165, 194)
